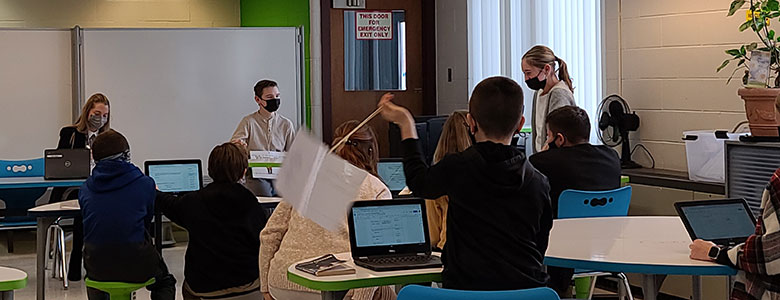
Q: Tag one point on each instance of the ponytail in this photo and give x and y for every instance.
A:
(563, 73)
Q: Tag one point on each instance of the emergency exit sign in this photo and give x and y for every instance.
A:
(374, 25)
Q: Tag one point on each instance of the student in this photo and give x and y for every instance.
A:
(94, 119)
(265, 130)
(454, 138)
(224, 221)
(499, 216)
(570, 162)
(117, 204)
(757, 258)
(289, 237)
(551, 91)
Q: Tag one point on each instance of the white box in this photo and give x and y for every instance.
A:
(704, 150)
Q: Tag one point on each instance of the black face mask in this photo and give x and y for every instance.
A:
(535, 83)
(271, 105)
(552, 145)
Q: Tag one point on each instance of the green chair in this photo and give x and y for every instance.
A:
(117, 290)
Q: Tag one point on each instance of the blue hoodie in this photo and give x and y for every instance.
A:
(117, 201)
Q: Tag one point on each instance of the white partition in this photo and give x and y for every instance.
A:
(35, 90)
(176, 93)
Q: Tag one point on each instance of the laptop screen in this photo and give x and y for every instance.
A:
(392, 173)
(719, 221)
(176, 177)
(388, 225)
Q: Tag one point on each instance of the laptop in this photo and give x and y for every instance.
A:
(391, 171)
(726, 222)
(387, 235)
(66, 163)
(175, 176)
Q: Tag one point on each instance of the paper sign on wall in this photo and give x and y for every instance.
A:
(374, 25)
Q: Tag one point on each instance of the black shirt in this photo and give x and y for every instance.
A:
(499, 216)
(582, 167)
(224, 221)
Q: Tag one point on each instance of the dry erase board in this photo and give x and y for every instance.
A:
(176, 93)
(35, 90)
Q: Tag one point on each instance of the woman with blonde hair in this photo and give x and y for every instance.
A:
(289, 237)
(94, 119)
(539, 66)
(454, 138)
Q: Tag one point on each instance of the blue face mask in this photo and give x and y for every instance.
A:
(124, 156)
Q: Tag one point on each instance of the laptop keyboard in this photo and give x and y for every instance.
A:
(399, 260)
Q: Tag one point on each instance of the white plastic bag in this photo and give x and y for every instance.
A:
(704, 150)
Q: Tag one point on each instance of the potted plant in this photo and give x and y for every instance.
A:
(760, 63)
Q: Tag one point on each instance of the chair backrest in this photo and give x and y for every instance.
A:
(418, 292)
(584, 204)
(21, 168)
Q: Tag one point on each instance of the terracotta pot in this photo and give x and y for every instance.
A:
(761, 110)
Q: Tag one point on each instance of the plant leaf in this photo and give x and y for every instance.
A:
(771, 35)
(734, 52)
(742, 50)
(772, 5)
(741, 61)
(723, 65)
(752, 47)
(745, 25)
(735, 5)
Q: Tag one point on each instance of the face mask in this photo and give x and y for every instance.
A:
(535, 83)
(271, 105)
(124, 156)
(552, 144)
(97, 121)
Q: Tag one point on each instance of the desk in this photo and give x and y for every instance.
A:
(332, 287)
(37, 182)
(653, 246)
(11, 279)
(46, 215)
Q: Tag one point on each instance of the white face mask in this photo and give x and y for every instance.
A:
(97, 121)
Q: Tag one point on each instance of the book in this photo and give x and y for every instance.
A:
(325, 265)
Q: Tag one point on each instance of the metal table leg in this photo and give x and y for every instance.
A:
(7, 295)
(40, 264)
(651, 283)
(333, 295)
(696, 280)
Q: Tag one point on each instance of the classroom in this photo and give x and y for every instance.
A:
(389, 149)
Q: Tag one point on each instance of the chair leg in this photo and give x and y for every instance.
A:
(10, 240)
(55, 269)
(49, 252)
(626, 285)
(592, 287)
(63, 272)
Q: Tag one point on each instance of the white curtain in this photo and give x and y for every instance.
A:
(501, 31)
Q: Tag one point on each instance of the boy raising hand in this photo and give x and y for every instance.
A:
(499, 216)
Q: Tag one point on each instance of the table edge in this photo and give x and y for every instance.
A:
(362, 282)
(640, 268)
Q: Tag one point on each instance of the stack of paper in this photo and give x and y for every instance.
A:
(319, 185)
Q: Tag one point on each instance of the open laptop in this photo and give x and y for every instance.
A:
(391, 171)
(175, 176)
(387, 235)
(66, 163)
(726, 222)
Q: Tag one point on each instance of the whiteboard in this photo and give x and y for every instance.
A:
(177, 93)
(35, 90)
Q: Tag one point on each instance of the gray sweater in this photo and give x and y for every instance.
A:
(560, 95)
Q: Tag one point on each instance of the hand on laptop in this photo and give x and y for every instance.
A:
(700, 249)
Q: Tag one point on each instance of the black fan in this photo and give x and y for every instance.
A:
(615, 121)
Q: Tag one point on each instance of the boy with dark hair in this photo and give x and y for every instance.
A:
(265, 130)
(223, 221)
(570, 162)
(499, 215)
(117, 204)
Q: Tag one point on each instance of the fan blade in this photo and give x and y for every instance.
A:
(604, 121)
(616, 110)
(615, 134)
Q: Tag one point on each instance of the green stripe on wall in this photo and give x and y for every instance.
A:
(282, 13)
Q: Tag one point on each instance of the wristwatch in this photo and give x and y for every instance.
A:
(714, 252)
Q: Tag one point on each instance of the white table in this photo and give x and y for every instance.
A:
(652, 246)
(46, 215)
(334, 287)
(11, 279)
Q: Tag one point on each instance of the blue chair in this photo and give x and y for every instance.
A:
(588, 204)
(18, 201)
(418, 292)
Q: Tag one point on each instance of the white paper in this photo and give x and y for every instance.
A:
(266, 157)
(319, 185)
(263, 173)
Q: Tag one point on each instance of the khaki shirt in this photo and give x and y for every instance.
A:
(264, 131)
